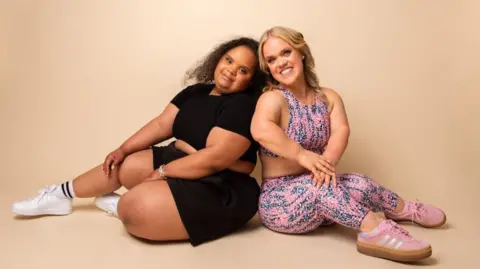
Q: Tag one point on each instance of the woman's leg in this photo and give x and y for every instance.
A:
(370, 194)
(148, 211)
(56, 199)
(291, 205)
(131, 172)
(288, 205)
(377, 237)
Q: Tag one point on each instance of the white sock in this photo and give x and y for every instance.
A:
(65, 190)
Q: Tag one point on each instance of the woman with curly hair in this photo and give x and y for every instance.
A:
(198, 188)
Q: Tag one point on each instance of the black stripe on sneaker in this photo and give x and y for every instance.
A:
(68, 189)
(63, 189)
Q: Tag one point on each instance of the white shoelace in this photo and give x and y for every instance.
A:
(41, 193)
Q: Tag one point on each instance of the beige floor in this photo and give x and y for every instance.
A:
(91, 239)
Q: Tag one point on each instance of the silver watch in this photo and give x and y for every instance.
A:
(160, 171)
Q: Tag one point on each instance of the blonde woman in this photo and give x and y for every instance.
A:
(303, 131)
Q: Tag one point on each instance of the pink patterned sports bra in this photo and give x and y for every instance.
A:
(309, 125)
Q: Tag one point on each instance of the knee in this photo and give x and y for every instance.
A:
(359, 179)
(125, 208)
(131, 208)
(134, 168)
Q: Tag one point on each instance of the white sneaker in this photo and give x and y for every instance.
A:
(45, 203)
(108, 203)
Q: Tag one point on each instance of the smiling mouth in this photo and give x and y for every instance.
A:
(227, 77)
(286, 70)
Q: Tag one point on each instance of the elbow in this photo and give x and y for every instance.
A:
(219, 160)
(216, 160)
(341, 134)
(346, 131)
(219, 163)
(343, 131)
(259, 133)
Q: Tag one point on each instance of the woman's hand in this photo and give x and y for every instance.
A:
(327, 179)
(184, 146)
(155, 175)
(321, 168)
(113, 159)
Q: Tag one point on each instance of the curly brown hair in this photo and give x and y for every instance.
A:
(204, 71)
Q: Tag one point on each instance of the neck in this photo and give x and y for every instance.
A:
(299, 87)
(215, 91)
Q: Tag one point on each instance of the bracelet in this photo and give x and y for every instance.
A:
(160, 171)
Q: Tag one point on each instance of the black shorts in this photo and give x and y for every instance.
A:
(212, 206)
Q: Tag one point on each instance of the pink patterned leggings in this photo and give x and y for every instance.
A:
(291, 204)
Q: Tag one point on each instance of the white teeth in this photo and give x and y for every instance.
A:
(286, 71)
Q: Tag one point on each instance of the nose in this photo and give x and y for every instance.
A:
(232, 71)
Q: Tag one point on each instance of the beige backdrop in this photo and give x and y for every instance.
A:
(78, 77)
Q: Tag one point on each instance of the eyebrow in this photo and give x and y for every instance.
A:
(228, 55)
(281, 51)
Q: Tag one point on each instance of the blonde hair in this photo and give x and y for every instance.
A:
(296, 40)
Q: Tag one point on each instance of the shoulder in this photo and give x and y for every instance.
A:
(272, 98)
(333, 98)
(198, 88)
(239, 101)
(240, 97)
(190, 91)
(331, 94)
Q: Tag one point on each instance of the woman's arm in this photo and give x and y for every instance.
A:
(340, 129)
(225, 144)
(184, 146)
(238, 166)
(266, 127)
(222, 150)
(266, 130)
(154, 132)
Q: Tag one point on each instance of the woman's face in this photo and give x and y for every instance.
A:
(235, 70)
(284, 61)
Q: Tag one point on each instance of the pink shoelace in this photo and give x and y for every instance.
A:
(395, 229)
(416, 210)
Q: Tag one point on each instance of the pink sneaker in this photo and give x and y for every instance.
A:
(427, 216)
(392, 242)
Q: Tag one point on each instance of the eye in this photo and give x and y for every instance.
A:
(244, 71)
(287, 52)
(228, 59)
(270, 60)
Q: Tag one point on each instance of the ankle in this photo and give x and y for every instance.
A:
(370, 222)
(400, 206)
(65, 190)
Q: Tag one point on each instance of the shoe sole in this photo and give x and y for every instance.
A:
(394, 255)
(41, 213)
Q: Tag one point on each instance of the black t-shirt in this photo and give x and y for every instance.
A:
(200, 112)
